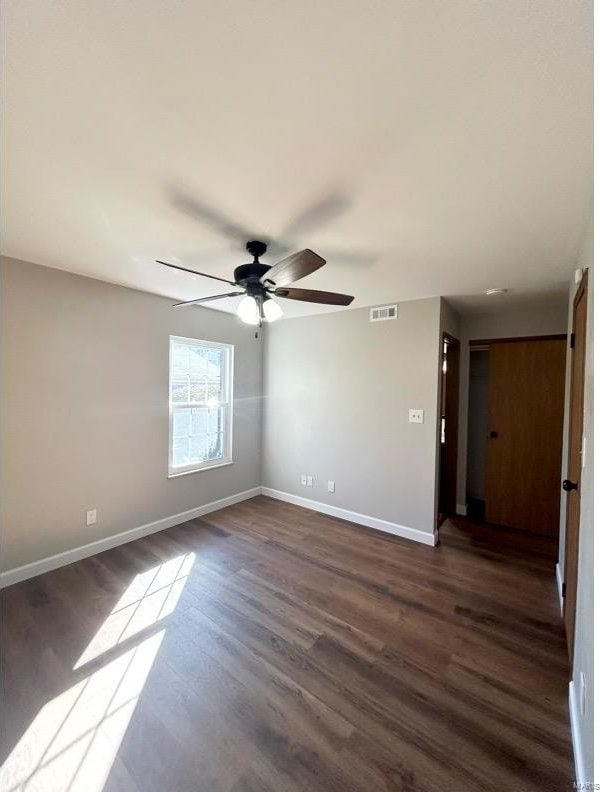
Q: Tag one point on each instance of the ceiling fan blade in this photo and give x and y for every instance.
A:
(324, 210)
(226, 226)
(312, 295)
(195, 272)
(292, 268)
(206, 299)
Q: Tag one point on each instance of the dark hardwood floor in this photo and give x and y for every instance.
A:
(267, 648)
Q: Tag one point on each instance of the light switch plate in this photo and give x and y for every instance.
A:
(415, 416)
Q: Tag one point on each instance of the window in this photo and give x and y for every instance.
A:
(200, 405)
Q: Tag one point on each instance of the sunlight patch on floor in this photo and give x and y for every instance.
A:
(73, 741)
(151, 596)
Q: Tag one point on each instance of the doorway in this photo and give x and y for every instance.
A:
(448, 434)
(516, 401)
(477, 433)
(574, 465)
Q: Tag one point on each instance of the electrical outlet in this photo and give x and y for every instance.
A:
(415, 416)
(309, 481)
(303, 480)
(91, 517)
(331, 486)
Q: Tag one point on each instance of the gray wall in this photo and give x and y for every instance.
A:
(583, 658)
(337, 393)
(449, 320)
(85, 410)
(525, 320)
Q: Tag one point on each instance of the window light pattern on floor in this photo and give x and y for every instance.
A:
(72, 743)
(152, 596)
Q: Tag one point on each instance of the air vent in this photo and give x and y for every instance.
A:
(383, 312)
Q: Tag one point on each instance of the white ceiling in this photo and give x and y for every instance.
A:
(423, 147)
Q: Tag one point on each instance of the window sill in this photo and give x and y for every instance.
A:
(200, 469)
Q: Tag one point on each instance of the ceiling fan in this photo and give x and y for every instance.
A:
(260, 283)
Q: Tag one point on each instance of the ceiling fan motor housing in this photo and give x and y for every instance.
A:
(249, 275)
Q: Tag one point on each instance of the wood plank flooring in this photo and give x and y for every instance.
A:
(267, 648)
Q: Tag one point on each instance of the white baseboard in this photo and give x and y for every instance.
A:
(69, 556)
(559, 586)
(362, 519)
(84, 551)
(576, 737)
(461, 509)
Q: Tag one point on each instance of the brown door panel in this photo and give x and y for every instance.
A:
(526, 399)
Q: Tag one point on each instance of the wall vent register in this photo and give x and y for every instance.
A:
(383, 312)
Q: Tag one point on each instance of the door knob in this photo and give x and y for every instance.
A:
(569, 485)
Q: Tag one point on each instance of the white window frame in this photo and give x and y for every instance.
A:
(226, 403)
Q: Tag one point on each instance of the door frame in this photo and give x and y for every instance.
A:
(483, 342)
(450, 431)
(574, 448)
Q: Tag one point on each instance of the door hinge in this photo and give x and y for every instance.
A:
(564, 590)
(572, 341)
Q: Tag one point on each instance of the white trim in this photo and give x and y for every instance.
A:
(559, 586)
(461, 509)
(84, 551)
(362, 519)
(576, 737)
(199, 470)
(226, 404)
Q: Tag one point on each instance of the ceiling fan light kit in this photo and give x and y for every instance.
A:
(248, 310)
(271, 310)
(260, 283)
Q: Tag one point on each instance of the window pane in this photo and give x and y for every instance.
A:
(215, 420)
(181, 423)
(179, 359)
(179, 390)
(199, 421)
(198, 361)
(180, 451)
(215, 446)
(197, 377)
(214, 390)
(198, 448)
(198, 390)
(214, 362)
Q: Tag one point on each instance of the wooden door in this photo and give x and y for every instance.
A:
(523, 461)
(574, 459)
